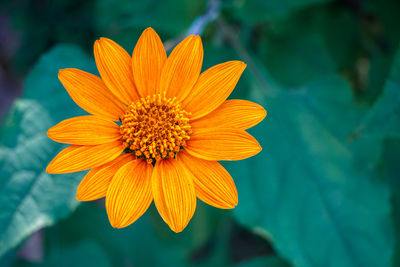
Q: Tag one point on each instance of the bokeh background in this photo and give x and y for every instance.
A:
(325, 190)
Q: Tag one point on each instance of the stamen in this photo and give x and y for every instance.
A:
(155, 128)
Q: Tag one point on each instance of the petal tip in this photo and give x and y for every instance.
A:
(113, 221)
(103, 39)
(62, 73)
(149, 29)
(49, 133)
(177, 230)
(197, 40)
(118, 224)
(79, 196)
(242, 65)
(50, 169)
(263, 113)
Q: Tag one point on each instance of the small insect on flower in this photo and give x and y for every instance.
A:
(173, 126)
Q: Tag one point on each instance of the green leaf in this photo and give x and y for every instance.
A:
(303, 191)
(82, 254)
(391, 170)
(384, 117)
(149, 236)
(30, 198)
(42, 82)
(202, 226)
(124, 21)
(266, 261)
(258, 11)
(138, 245)
(294, 52)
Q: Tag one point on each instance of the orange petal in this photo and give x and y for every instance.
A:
(222, 144)
(240, 114)
(129, 194)
(115, 68)
(213, 88)
(148, 58)
(85, 130)
(97, 180)
(213, 184)
(182, 68)
(78, 158)
(174, 193)
(90, 93)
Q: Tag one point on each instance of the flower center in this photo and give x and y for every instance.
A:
(155, 128)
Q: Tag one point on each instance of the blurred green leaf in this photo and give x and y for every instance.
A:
(42, 82)
(258, 11)
(202, 226)
(303, 192)
(391, 170)
(266, 261)
(138, 244)
(82, 254)
(386, 16)
(294, 50)
(383, 119)
(40, 26)
(125, 20)
(341, 32)
(381, 34)
(31, 198)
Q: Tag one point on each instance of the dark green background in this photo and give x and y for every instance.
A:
(325, 190)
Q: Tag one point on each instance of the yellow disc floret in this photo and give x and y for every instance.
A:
(155, 128)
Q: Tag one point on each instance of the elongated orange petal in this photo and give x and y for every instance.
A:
(174, 193)
(182, 68)
(96, 182)
(90, 93)
(115, 68)
(213, 88)
(85, 130)
(148, 58)
(78, 158)
(240, 114)
(213, 184)
(129, 194)
(222, 144)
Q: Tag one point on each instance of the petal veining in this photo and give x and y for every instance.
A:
(115, 68)
(85, 130)
(213, 184)
(148, 59)
(129, 194)
(95, 184)
(78, 158)
(174, 193)
(182, 68)
(222, 144)
(213, 88)
(240, 114)
(90, 93)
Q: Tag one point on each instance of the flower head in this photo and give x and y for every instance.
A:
(173, 126)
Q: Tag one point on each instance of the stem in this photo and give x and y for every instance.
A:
(198, 25)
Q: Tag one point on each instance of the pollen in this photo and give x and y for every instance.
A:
(155, 128)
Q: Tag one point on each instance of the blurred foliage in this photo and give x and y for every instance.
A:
(323, 192)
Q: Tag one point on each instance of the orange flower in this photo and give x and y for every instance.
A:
(174, 125)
